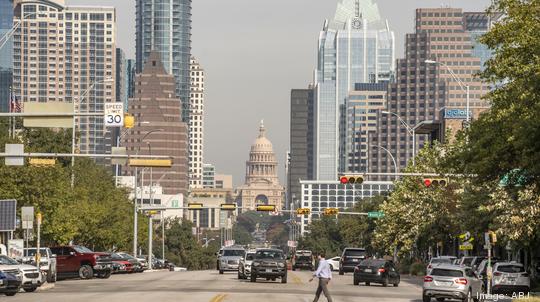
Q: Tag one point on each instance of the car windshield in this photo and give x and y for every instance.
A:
(511, 269)
(32, 252)
(117, 256)
(82, 249)
(356, 253)
(269, 255)
(372, 263)
(233, 253)
(467, 261)
(250, 256)
(5, 260)
(127, 256)
(441, 260)
(304, 258)
(446, 272)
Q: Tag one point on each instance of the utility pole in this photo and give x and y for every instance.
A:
(38, 242)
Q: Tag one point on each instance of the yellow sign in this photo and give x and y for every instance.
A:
(269, 208)
(42, 162)
(195, 206)
(163, 163)
(466, 247)
(228, 207)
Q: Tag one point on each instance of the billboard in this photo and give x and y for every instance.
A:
(456, 113)
(8, 215)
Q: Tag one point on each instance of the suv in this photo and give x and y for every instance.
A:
(303, 259)
(244, 268)
(435, 261)
(452, 282)
(230, 259)
(47, 263)
(350, 258)
(269, 264)
(30, 275)
(510, 278)
(79, 261)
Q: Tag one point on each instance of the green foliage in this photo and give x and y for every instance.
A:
(241, 235)
(418, 269)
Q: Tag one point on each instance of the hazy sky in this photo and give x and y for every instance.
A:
(254, 52)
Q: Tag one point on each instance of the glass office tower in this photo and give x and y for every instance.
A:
(6, 53)
(165, 26)
(357, 46)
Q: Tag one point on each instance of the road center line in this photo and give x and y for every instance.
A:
(219, 298)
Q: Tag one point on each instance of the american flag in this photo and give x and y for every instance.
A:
(15, 104)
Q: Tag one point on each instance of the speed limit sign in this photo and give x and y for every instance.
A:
(114, 114)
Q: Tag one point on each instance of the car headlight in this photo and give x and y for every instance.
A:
(281, 264)
(256, 263)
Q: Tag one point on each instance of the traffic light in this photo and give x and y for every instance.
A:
(129, 121)
(268, 208)
(228, 207)
(195, 206)
(303, 211)
(436, 182)
(346, 179)
(331, 211)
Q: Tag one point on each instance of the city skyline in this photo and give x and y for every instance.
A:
(230, 115)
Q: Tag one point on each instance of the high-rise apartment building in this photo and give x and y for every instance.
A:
(302, 141)
(165, 26)
(196, 125)
(6, 53)
(155, 102)
(121, 78)
(425, 94)
(131, 74)
(64, 54)
(357, 46)
(209, 176)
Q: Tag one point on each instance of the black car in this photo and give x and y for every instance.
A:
(9, 284)
(350, 258)
(376, 271)
(270, 264)
(303, 262)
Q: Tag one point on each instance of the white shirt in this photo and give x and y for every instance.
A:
(323, 271)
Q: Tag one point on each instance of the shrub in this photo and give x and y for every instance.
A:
(418, 269)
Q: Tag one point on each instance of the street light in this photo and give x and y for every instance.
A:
(391, 156)
(411, 130)
(13, 29)
(118, 138)
(80, 98)
(463, 86)
(162, 218)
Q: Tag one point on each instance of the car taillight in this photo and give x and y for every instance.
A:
(498, 274)
(382, 270)
(428, 279)
(461, 281)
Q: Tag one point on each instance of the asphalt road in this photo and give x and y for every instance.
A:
(209, 286)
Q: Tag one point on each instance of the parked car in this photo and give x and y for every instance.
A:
(79, 261)
(30, 275)
(121, 264)
(303, 259)
(270, 264)
(481, 270)
(452, 282)
(471, 261)
(10, 284)
(230, 259)
(376, 271)
(143, 261)
(334, 263)
(435, 261)
(138, 265)
(509, 278)
(350, 258)
(244, 267)
(47, 263)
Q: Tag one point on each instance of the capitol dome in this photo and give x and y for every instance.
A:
(262, 144)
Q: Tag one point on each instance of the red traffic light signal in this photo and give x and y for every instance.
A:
(344, 179)
(436, 182)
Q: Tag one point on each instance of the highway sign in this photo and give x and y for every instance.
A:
(8, 215)
(466, 247)
(42, 161)
(114, 115)
(27, 214)
(375, 214)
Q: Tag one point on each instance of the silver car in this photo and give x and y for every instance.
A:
(509, 278)
(452, 282)
(244, 267)
(230, 259)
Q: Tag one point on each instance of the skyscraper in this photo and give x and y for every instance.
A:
(67, 54)
(196, 125)
(155, 102)
(425, 93)
(357, 46)
(6, 53)
(165, 26)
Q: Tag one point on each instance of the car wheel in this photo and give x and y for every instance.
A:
(220, 272)
(356, 281)
(440, 299)
(368, 284)
(86, 272)
(30, 289)
(253, 277)
(284, 279)
(293, 268)
(385, 282)
(11, 294)
(426, 298)
(51, 278)
(239, 276)
(469, 297)
(341, 272)
(104, 275)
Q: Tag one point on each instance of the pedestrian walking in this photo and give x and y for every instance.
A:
(324, 273)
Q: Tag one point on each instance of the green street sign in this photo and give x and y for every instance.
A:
(375, 215)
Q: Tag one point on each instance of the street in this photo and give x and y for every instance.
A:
(209, 286)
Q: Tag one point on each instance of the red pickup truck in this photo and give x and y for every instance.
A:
(79, 261)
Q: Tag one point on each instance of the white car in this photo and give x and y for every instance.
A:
(446, 281)
(244, 267)
(509, 278)
(47, 263)
(30, 275)
(441, 260)
(334, 263)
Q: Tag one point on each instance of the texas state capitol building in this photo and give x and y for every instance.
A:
(262, 185)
